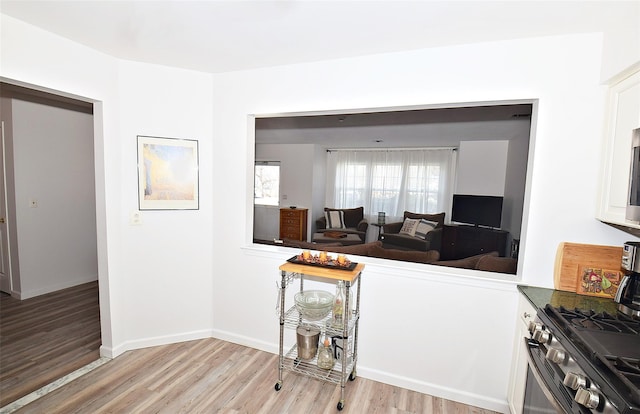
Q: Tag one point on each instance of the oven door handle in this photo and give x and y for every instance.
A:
(539, 379)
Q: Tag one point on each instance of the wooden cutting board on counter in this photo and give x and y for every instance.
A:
(571, 258)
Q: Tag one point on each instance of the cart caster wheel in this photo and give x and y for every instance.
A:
(278, 386)
(340, 406)
(352, 376)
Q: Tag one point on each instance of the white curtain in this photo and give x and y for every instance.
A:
(392, 181)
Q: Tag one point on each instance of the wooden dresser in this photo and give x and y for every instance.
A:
(293, 223)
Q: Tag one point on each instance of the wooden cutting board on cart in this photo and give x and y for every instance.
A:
(572, 257)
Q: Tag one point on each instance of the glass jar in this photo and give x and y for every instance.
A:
(325, 356)
(338, 311)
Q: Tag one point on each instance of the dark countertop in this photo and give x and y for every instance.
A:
(539, 297)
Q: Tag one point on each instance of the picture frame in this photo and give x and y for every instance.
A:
(168, 176)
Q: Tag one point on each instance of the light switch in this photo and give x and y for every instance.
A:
(135, 219)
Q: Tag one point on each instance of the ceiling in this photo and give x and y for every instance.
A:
(400, 128)
(221, 36)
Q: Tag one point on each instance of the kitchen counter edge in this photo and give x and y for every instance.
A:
(540, 297)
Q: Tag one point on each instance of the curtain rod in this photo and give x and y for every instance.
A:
(391, 149)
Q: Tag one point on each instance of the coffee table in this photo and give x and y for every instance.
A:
(349, 240)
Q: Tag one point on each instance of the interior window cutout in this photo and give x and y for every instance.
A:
(267, 183)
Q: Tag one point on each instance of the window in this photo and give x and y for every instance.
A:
(266, 183)
(392, 181)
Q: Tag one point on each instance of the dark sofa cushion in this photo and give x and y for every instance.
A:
(357, 249)
(498, 264)
(352, 216)
(466, 263)
(405, 255)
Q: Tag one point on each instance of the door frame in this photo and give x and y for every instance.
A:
(6, 280)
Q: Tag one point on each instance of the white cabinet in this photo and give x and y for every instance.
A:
(623, 116)
(518, 378)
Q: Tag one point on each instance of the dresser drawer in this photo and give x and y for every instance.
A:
(290, 213)
(290, 221)
(290, 229)
(292, 236)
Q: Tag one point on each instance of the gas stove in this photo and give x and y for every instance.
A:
(594, 356)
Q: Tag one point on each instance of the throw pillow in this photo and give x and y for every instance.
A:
(335, 219)
(409, 227)
(424, 227)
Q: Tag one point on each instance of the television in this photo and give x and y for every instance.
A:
(478, 210)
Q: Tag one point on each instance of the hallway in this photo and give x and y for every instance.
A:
(46, 337)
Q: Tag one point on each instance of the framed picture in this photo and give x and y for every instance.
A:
(167, 173)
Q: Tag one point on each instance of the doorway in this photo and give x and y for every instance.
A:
(50, 220)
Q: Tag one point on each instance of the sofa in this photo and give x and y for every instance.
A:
(372, 249)
(488, 262)
(353, 222)
(393, 238)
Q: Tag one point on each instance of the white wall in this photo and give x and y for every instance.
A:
(514, 189)
(318, 186)
(155, 279)
(182, 274)
(482, 167)
(169, 259)
(562, 72)
(621, 41)
(53, 167)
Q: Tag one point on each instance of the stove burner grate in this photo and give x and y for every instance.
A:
(601, 321)
(626, 370)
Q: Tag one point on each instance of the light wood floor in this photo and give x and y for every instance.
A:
(214, 376)
(46, 337)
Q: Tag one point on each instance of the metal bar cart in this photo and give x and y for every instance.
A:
(347, 335)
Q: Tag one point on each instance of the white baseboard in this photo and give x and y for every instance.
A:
(362, 371)
(22, 295)
(113, 352)
(386, 377)
(435, 390)
(245, 341)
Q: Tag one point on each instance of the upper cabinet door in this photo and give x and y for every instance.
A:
(623, 116)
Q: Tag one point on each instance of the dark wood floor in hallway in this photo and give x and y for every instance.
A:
(46, 337)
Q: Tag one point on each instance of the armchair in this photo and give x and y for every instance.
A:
(393, 239)
(354, 222)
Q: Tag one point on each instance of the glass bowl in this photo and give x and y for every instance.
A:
(314, 305)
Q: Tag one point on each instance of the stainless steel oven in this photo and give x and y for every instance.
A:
(537, 399)
(633, 195)
(580, 361)
(545, 390)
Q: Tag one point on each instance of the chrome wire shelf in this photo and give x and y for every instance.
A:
(310, 367)
(292, 319)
